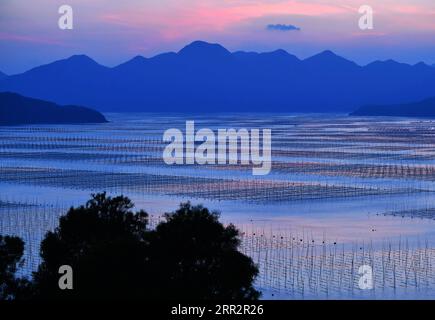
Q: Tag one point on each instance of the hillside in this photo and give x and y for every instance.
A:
(424, 108)
(16, 110)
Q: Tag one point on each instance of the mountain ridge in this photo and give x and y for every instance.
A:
(205, 77)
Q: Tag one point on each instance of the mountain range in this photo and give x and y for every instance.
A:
(204, 77)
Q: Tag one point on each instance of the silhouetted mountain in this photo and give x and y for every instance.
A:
(424, 108)
(2, 75)
(205, 77)
(16, 109)
(328, 60)
(203, 51)
(77, 80)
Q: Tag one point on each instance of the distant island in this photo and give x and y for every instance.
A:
(204, 77)
(423, 109)
(18, 110)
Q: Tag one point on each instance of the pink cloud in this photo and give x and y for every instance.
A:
(214, 16)
(405, 18)
(32, 39)
(226, 16)
(414, 10)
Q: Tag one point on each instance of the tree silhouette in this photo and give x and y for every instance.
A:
(103, 242)
(11, 253)
(114, 256)
(194, 256)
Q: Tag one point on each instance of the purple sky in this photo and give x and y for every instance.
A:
(112, 31)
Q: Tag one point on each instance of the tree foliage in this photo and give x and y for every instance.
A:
(194, 256)
(103, 242)
(113, 254)
(11, 253)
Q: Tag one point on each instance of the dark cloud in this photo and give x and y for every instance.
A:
(282, 27)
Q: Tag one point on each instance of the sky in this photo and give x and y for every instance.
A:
(113, 31)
